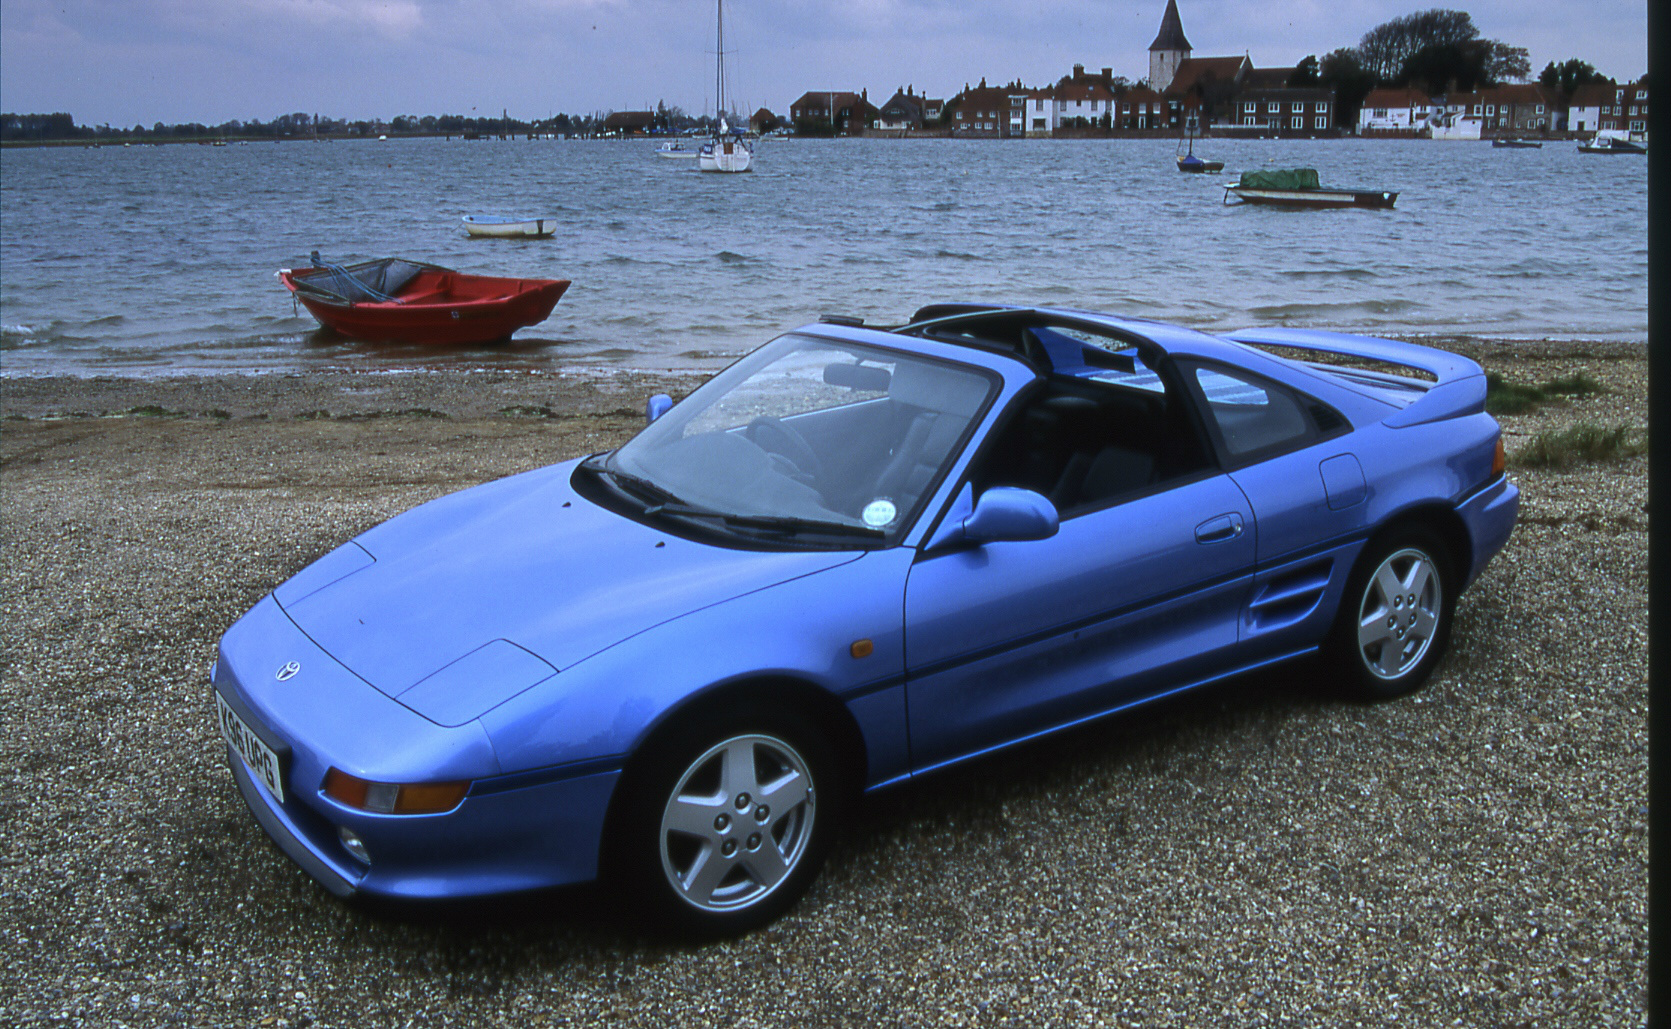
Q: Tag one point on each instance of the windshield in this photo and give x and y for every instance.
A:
(807, 435)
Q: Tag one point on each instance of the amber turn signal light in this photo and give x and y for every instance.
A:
(1499, 459)
(390, 798)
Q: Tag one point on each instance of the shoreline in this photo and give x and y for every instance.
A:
(485, 392)
(1092, 135)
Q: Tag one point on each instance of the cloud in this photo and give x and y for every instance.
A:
(213, 60)
(391, 18)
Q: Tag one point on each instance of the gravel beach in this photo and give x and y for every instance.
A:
(1259, 853)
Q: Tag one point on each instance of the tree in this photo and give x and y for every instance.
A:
(1464, 66)
(1305, 73)
(1569, 75)
(1344, 72)
(1385, 48)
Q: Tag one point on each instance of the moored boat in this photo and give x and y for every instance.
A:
(675, 151)
(398, 300)
(1519, 144)
(728, 151)
(1190, 163)
(497, 227)
(1298, 187)
(1611, 145)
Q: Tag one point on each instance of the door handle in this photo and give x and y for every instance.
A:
(1221, 529)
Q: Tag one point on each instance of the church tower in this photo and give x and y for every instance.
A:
(1169, 49)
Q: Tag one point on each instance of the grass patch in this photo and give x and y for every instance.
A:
(1584, 443)
(1578, 384)
(1505, 397)
(528, 411)
(410, 412)
(153, 411)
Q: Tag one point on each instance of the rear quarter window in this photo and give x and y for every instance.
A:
(1252, 415)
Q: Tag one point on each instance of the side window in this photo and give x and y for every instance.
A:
(1253, 415)
(1088, 442)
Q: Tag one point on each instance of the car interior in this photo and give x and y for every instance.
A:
(1099, 426)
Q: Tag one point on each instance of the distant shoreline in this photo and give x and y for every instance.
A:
(1092, 135)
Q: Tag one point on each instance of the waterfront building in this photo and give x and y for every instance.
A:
(833, 110)
(1286, 111)
(1584, 109)
(1140, 108)
(1204, 90)
(1628, 109)
(629, 123)
(1082, 101)
(1387, 111)
(904, 111)
(989, 112)
(1523, 107)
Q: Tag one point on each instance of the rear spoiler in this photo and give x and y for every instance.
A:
(1459, 389)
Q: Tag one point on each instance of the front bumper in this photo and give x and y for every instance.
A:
(510, 833)
(533, 837)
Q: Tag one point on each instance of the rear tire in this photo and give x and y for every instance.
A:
(1395, 618)
(722, 822)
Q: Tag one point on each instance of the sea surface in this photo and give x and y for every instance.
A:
(152, 261)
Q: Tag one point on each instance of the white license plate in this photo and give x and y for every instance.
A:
(263, 762)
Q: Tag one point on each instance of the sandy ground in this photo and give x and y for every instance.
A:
(1258, 854)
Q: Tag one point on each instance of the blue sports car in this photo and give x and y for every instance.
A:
(855, 556)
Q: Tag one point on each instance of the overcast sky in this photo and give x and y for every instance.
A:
(126, 62)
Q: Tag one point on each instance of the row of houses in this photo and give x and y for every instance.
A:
(1529, 107)
(1221, 95)
(1224, 93)
(1217, 95)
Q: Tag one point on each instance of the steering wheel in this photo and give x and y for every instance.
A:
(787, 447)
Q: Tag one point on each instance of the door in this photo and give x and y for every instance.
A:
(1007, 640)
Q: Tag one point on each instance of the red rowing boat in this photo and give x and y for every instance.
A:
(411, 302)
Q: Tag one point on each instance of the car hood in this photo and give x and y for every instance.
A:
(461, 603)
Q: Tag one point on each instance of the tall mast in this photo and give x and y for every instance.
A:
(719, 63)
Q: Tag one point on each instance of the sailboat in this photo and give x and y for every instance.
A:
(728, 151)
(1189, 162)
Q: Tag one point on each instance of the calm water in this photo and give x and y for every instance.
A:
(159, 260)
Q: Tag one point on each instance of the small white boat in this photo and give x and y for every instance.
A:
(497, 227)
(675, 151)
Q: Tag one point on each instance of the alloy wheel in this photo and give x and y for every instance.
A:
(1398, 617)
(737, 823)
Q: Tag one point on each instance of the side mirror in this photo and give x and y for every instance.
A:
(1007, 514)
(657, 406)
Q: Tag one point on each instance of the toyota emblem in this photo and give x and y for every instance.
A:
(288, 672)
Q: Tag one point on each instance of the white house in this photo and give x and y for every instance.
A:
(1395, 110)
(1584, 110)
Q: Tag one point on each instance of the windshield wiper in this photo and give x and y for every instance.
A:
(778, 523)
(628, 482)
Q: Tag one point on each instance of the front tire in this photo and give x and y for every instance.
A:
(724, 823)
(1395, 618)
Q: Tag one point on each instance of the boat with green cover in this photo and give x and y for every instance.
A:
(1298, 187)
